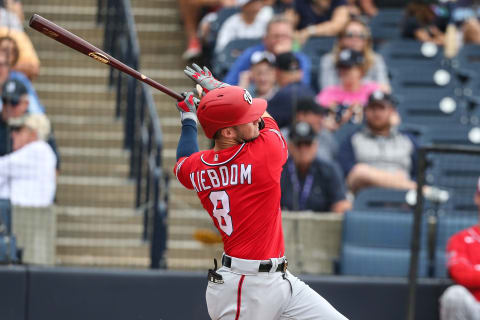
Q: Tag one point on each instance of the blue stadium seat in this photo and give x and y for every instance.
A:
(375, 199)
(314, 49)
(222, 15)
(378, 244)
(404, 53)
(345, 130)
(5, 217)
(453, 134)
(431, 109)
(225, 59)
(386, 25)
(469, 56)
(448, 225)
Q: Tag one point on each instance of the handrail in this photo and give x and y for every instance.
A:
(142, 130)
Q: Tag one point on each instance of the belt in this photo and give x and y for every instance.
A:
(263, 267)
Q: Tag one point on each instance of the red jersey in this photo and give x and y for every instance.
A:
(240, 188)
(463, 252)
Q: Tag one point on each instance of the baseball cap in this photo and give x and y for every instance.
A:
(12, 90)
(287, 61)
(37, 122)
(260, 56)
(227, 107)
(380, 97)
(302, 132)
(309, 105)
(348, 58)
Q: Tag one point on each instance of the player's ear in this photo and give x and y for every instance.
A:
(228, 132)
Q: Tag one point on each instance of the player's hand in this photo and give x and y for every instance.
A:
(188, 106)
(204, 78)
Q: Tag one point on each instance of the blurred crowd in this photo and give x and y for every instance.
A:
(329, 161)
(29, 159)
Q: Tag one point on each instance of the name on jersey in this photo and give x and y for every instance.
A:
(221, 177)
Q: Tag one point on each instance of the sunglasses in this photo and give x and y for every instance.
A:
(362, 36)
(12, 102)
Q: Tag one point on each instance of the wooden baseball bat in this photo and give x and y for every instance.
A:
(73, 41)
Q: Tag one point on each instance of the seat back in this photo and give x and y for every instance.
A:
(375, 199)
(378, 244)
(385, 26)
(448, 225)
(225, 59)
(314, 49)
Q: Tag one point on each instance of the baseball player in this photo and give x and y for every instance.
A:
(238, 184)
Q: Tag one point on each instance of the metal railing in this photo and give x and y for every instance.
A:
(143, 134)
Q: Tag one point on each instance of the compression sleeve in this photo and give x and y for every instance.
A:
(188, 143)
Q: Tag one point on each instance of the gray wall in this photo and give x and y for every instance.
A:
(63, 293)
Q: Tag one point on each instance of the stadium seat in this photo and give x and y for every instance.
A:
(469, 56)
(8, 249)
(426, 110)
(386, 25)
(225, 59)
(452, 171)
(404, 53)
(447, 226)
(375, 199)
(378, 244)
(345, 130)
(222, 15)
(5, 217)
(314, 49)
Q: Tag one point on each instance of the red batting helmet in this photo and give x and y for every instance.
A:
(227, 107)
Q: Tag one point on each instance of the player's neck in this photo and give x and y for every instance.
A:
(222, 144)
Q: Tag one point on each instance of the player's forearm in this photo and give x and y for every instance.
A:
(188, 143)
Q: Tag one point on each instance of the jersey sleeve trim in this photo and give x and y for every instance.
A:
(179, 166)
(279, 136)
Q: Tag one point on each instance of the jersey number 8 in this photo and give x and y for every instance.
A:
(221, 210)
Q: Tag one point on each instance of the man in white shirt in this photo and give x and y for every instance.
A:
(28, 175)
(249, 23)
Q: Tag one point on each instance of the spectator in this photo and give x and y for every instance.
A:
(348, 98)
(16, 7)
(27, 175)
(307, 182)
(278, 39)
(15, 101)
(28, 62)
(320, 18)
(291, 89)
(10, 20)
(307, 110)
(9, 47)
(190, 11)
(355, 36)
(462, 300)
(249, 23)
(378, 155)
(362, 7)
(260, 80)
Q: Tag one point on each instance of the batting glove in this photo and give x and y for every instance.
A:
(188, 106)
(204, 78)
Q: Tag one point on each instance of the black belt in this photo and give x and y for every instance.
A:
(264, 266)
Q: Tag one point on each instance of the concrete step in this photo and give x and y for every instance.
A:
(99, 231)
(103, 247)
(71, 214)
(95, 169)
(76, 155)
(195, 264)
(79, 109)
(75, 92)
(95, 191)
(89, 125)
(192, 249)
(59, 3)
(102, 261)
(89, 138)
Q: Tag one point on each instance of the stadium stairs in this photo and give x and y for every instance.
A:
(97, 225)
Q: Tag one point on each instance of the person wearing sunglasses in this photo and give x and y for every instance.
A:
(355, 36)
(309, 183)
